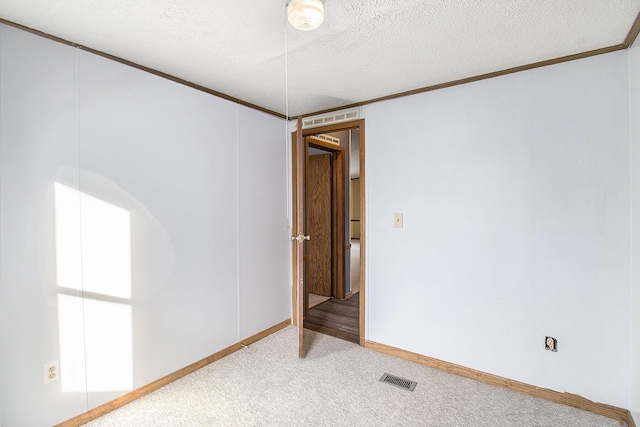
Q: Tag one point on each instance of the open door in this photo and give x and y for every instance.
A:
(324, 219)
(318, 213)
(316, 139)
(299, 238)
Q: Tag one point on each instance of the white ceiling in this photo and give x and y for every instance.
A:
(365, 49)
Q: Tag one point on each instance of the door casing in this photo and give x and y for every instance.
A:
(297, 158)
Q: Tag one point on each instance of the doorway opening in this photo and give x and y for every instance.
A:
(333, 204)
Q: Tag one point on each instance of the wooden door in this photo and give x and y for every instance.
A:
(302, 240)
(299, 153)
(318, 220)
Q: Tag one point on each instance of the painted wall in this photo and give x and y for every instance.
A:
(634, 122)
(515, 194)
(194, 185)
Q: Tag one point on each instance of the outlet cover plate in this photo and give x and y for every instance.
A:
(51, 372)
(551, 344)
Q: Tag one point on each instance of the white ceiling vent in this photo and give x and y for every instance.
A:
(328, 119)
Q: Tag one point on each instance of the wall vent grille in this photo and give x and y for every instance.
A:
(337, 117)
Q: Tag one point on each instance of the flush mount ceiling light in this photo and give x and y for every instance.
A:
(305, 15)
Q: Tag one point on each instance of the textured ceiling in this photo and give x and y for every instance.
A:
(365, 49)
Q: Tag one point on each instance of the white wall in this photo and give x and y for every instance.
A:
(515, 194)
(36, 143)
(203, 180)
(265, 227)
(634, 114)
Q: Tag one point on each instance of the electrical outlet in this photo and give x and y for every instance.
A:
(51, 372)
(550, 343)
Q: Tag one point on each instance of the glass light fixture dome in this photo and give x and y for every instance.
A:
(305, 15)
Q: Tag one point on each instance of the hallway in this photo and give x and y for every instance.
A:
(338, 318)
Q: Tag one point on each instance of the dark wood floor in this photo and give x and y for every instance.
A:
(338, 318)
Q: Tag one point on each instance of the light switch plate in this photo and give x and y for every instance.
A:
(397, 220)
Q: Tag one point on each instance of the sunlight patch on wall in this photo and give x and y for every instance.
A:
(93, 244)
(101, 332)
(93, 255)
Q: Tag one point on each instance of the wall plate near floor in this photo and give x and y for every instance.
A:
(551, 344)
(51, 372)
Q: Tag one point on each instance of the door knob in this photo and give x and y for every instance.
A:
(300, 238)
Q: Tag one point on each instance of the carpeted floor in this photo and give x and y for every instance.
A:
(315, 300)
(337, 384)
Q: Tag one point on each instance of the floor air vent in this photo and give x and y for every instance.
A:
(399, 382)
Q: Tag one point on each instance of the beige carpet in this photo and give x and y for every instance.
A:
(317, 300)
(337, 384)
